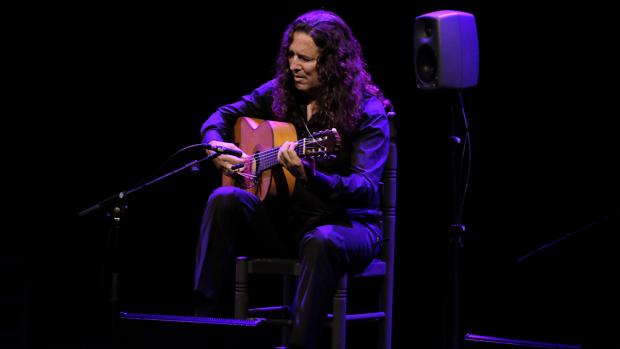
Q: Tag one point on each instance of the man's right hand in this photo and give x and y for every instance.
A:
(224, 162)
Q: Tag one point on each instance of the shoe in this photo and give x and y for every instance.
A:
(203, 306)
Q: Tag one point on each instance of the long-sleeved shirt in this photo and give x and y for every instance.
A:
(348, 184)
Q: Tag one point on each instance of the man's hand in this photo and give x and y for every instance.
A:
(224, 162)
(288, 158)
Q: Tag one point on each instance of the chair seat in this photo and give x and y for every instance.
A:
(377, 267)
(292, 267)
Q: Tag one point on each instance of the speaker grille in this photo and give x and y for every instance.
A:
(426, 65)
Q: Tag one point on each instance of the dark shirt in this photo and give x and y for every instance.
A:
(347, 185)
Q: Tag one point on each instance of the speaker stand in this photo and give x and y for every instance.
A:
(460, 155)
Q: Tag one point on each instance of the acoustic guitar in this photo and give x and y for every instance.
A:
(260, 173)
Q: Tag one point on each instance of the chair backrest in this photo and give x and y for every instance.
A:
(388, 200)
(388, 206)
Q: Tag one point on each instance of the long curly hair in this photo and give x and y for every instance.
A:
(341, 69)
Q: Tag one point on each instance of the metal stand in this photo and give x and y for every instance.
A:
(460, 177)
(117, 204)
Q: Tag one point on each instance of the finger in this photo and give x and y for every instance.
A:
(282, 154)
(227, 145)
(225, 162)
(293, 158)
(290, 146)
(290, 149)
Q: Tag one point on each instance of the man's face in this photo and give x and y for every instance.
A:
(302, 59)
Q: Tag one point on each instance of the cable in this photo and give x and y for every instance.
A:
(163, 165)
(566, 236)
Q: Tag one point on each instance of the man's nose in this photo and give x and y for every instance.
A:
(294, 64)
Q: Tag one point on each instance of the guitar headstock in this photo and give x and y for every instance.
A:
(321, 144)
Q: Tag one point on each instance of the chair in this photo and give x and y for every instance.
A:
(382, 267)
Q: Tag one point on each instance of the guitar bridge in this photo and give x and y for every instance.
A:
(245, 180)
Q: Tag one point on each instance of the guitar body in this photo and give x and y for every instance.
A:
(254, 136)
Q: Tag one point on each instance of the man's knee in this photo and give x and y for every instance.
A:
(230, 198)
(322, 240)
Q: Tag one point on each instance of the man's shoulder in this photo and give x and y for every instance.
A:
(373, 106)
(267, 87)
(261, 94)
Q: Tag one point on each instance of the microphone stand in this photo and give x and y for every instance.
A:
(117, 206)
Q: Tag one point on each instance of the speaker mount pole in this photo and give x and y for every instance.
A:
(457, 228)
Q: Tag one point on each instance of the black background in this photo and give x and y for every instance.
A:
(105, 93)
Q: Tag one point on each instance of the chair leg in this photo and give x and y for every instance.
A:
(339, 322)
(385, 332)
(387, 291)
(241, 288)
(287, 292)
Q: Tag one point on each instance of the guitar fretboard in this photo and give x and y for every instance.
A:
(267, 159)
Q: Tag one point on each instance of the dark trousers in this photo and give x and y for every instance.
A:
(236, 223)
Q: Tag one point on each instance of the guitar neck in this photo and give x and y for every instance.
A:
(267, 159)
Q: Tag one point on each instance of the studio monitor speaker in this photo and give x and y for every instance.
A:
(446, 50)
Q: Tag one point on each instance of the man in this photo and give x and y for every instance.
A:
(332, 219)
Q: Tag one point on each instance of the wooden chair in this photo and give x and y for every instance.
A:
(381, 267)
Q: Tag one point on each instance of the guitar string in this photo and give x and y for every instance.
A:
(311, 135)
(263, 157)
(271, 155)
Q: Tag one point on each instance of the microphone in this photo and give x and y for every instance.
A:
(223, 150)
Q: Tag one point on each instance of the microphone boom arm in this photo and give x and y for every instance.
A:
(122, 195)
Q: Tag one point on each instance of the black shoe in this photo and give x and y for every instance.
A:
(203, 306)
